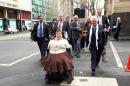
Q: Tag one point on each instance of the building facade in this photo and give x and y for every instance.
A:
(119, 8)
(13, 14)
(46, 8)
(65, 7)
(51, 9)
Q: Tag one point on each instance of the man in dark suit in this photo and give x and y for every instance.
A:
(103, 21)
(96, 41)
(117, 29)
(40, 34)
(68, 21)
(75, 27)
(53, 28)
(63, 26)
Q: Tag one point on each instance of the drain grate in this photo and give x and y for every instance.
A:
(83, 80)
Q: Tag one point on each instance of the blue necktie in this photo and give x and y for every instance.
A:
(41, 32)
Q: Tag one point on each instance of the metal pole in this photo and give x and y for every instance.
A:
(112, 17)
(21, 21)
(72, 8)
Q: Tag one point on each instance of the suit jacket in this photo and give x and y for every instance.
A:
(75, 29)
(101, 36)
(52, 28)
(34, 31)
(65, 26)
(105, 22)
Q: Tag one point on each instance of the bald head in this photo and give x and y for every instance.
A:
(75, 17)
(61, 17)
(99, 12)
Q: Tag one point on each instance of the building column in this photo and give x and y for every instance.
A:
(5, 13)
(18, 15)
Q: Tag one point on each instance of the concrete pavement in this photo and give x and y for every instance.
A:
(13, 36)
(29, 72)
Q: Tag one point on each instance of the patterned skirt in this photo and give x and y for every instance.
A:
(58, 62)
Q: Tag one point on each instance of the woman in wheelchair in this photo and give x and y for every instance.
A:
(59, 59)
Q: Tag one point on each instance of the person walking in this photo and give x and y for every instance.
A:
(96, 41)
(53, 28)
(117, 29)
(103, 21)
(40, 34)
(75, 27)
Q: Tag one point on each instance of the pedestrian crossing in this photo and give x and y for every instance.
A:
(91, 81)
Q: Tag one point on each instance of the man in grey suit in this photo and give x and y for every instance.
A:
(75, 27)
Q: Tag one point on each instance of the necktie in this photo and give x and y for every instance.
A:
(40, 33)
(94, 29)
(59, 27)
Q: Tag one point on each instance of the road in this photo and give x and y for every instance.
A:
(20, 64)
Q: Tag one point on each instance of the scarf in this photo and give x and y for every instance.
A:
(90, 36)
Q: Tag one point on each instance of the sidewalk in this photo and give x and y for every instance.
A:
(121, 38)
(4, 36)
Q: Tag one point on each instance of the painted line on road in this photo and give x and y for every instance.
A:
(4, 64)
(91, 81)
(19, 60)
(117, 58)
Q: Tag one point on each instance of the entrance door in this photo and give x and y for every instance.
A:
(12, 26)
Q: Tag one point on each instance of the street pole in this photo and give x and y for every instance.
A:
(72, 8)
(21, 21)
(112, 16)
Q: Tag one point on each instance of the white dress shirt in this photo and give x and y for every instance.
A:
(58, 46)
(100, 20)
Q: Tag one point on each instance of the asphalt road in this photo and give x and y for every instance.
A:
(20, 65)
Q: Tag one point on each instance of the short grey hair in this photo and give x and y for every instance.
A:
(76, 16)
(94, 18)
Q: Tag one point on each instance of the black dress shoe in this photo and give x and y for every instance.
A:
(93, 74)
(69, 81)
(47, 81)
(117, 39)
(40, 59)
(97, 66)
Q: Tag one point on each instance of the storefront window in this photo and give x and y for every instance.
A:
(1, 25)
(12, 25)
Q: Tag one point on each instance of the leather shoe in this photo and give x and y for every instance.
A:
(93, 74)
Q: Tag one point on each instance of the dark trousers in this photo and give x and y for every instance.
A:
(83, 40)
(76, 46)
(95, 56)
(42, 44)
(106, 36)
(116, 34)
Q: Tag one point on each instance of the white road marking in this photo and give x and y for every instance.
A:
(117, 58)
(4, 64)
(19, 60)
(81, 72)
(91, 81)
